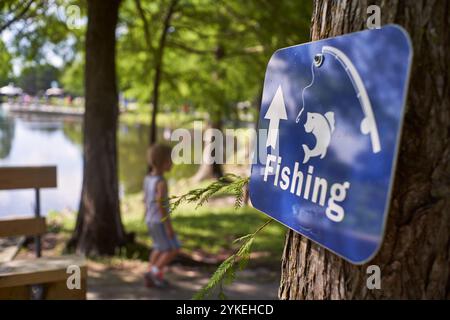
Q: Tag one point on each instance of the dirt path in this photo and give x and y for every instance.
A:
(125, 281)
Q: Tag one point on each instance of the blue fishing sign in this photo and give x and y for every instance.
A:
(333, 112)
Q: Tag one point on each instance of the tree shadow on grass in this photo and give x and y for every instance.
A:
(210, 236)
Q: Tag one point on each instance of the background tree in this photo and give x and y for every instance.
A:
(415, 256)
(7, 130)
(99, 228)
(231, 42)
(35, 29)
(35, 79)
(13, 11)
(159, 56)
(5, 65)
(72, 76)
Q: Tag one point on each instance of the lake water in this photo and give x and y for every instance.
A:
(38, 140)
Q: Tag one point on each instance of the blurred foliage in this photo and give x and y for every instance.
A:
(38, 33)
(215, 55)
(36, 79)
(7, 130)
(42, 28)
(216, 50)
(5, 65)
(72, 78)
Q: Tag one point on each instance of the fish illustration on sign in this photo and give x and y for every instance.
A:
(321, 126)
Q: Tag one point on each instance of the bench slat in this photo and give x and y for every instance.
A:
(22, 227)
(27, 177)
(38, 271)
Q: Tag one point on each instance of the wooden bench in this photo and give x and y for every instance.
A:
(43, 277)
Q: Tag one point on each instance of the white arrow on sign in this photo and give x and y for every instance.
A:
(275, 113)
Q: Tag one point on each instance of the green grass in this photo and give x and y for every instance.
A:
(210, 229)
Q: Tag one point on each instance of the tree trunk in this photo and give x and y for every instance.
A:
(213, 170)
(99, 228)
(206, 169)
(415, 256)
(159, 69)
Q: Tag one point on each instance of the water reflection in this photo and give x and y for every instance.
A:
(6, 137)
(38, 140)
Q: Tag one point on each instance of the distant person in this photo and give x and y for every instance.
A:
(165, 243)
(26, 100)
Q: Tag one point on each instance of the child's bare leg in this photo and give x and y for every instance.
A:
(165, 258)
(173, 255)
(154, 256)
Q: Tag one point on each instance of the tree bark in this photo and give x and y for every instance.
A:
(99, 228)
(415, 256)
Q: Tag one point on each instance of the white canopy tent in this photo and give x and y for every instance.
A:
(10, 90)
(54, 92)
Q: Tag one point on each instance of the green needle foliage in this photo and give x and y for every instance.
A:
(229, 183)
(226, 272)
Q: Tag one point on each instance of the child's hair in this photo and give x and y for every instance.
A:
(157, 155)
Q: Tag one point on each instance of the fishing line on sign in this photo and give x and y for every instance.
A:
(297, 120)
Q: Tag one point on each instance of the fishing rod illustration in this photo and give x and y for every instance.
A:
(368, 124)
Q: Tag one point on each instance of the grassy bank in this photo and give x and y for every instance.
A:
(142, 115)
(208, 230)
